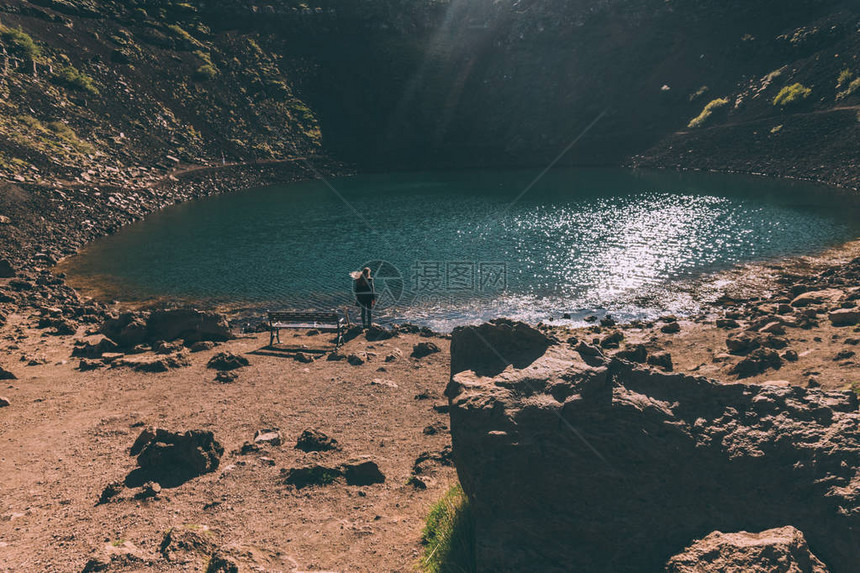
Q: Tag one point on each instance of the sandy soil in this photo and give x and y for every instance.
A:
(67, 433)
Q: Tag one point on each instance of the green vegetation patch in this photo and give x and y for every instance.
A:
(709, 109)
(19, 43)
(449, 535)
(206, 72)
(75, 79)
(852, 88)
(789, 95)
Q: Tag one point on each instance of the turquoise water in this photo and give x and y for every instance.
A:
(458, 247)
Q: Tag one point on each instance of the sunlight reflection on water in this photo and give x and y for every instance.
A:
(581, 241)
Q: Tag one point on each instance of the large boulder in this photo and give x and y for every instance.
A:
(189, 324)
(131, 328)
(491, 347)
(776, 550)
(612, 467)
(126, 329)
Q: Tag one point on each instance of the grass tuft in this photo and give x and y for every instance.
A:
(449, 535)
(709, 109)
(795, 93)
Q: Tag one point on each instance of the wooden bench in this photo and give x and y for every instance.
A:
(328, 320)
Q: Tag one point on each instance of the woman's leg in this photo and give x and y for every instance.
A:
(364, 319)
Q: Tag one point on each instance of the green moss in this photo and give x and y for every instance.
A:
(792, 94)
(844, 78)
(709, 109)
(71, 77)
(449, 535)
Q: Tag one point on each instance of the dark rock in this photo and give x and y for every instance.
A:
(162, 347)
(671, 328)
(775, 342)
(227, 361)
(304, 357)
(635, 353)
(355, 360)
(94, 348)
(110, 491)
(225, 377)
(7, 271)
(790, 356)
(633, 464)
(844, 317)
(493, 346)
(311, 475)
(376, 332)
(202, 346)
(727, 323)
(220, 563)
(6, 375)
(127, 329)
(312, 440)
(742, 343)
(662, 360)
(87, 364)
(362, 472)
(20, 285)
(759, 361)
(771, 551)
(612, 340)
(423, 349)
(149, 490)
(607, 321)
(4, 402)
(172, 458)
(188, 324)
(844, 355)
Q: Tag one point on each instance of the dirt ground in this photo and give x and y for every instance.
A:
(67, 434)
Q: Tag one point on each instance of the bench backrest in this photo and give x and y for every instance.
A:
(326, 317)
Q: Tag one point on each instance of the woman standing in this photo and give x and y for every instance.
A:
(365, 296)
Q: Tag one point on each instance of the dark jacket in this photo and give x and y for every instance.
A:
(363, 289)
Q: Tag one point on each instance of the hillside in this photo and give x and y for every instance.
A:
(409, 83)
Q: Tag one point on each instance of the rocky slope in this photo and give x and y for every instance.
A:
(575, 462)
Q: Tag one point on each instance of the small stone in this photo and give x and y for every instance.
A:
(226, 377)
(149, 490)
(110, 491)
(86, 364)
(266, 461)
(4, 402)
(671, 328)
(362, 472)
(312, 440)
(423, 349)
(269, 436)
(227, 361)
(6, 375)
(727, 323)
(790, 356)
(355, 360)
(202, 346)
(844, 355)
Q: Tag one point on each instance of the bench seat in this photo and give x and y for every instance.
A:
(309, 320)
